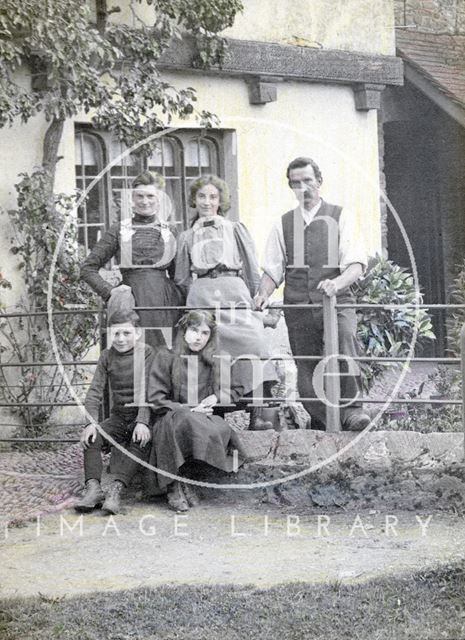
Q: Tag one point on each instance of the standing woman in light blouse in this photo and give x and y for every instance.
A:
(216, 266)
(144, 248)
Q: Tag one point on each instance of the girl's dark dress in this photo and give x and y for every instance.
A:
(150, 258)
(180, 434)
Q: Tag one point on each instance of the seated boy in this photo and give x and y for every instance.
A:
(127, 425)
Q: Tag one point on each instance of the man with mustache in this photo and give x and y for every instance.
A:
(315, 249)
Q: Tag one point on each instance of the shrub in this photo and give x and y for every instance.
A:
(430, 418)
(388, 332)
(457, 318)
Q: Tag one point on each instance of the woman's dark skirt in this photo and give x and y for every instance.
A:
(182, 435)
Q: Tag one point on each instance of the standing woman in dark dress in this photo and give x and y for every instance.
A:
(144, 248)
(183, 388)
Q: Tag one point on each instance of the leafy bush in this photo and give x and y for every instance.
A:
(388, 332)
(457, 318)
(429, 418)
(38, 222)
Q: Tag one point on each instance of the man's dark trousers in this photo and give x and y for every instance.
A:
(305, 327)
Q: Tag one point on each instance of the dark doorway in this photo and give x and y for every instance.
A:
(424, 162)
(411, 169)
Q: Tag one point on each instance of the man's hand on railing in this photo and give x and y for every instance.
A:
(352, 273)
(328, 286)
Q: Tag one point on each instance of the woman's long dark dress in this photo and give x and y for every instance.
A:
(147, 239)
(180, 434)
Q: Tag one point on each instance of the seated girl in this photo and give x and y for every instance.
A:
(183, 389)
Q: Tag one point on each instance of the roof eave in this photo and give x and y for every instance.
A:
(414, 74)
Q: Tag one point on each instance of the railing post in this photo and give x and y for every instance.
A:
(105, 407)
(332, 378)
(462, 364)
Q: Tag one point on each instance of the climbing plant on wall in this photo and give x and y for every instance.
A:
(59, 58)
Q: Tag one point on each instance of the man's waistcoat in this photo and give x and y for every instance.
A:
(301, 280)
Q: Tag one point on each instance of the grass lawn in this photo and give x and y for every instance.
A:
(424, 606)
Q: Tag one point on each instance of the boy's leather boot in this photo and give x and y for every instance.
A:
(93, 497)
(112, 502)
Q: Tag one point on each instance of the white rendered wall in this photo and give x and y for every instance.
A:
(351, 25)
(314, 120)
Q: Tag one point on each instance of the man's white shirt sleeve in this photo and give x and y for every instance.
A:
(351, 242)
(274, 260)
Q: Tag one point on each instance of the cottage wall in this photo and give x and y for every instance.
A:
(435, 16)
(309, 115)
(318, 119)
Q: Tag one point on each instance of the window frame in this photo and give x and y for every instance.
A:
(219, 141)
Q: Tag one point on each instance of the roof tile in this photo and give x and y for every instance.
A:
(439, 58)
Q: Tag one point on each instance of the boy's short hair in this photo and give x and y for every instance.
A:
(120, 317)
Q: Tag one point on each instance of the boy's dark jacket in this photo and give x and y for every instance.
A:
(118, 369)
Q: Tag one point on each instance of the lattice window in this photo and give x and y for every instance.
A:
(180, 158)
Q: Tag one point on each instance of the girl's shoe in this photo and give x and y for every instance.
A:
(191, 494)
(176, 498)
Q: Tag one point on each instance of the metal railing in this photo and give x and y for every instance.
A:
(329, 307)
(331, 351)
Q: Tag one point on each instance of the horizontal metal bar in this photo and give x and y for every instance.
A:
(380, 359)
(399, 359)
(348, 305)
(38, 440)
(33, 426)
(250, 400)
(373, 305)
(44, 386)
(39, 404)
(53, 363)
(403, 401)
(376, 400)
(33, 314)
(354, 305)
(228, 307)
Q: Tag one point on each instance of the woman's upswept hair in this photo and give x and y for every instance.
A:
(225, 198)
(147, 178)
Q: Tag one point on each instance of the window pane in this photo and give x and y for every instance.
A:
(89, 162)
(121, 177)
(162, 159)
(117, 148)
(85, 151)
(180, 157)
(198, 155)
